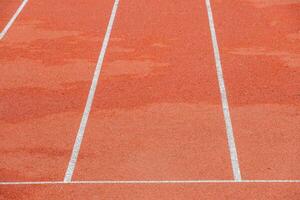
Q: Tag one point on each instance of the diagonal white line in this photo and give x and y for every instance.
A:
(11, 21)
(227, 118)
(85, 116)
(132, 182)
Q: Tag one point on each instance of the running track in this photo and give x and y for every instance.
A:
(137, 99)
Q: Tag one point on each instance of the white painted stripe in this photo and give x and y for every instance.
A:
(229, 129)
(12, 20)
(148, 182)
(85, 116)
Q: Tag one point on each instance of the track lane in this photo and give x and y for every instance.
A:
(157, 111)
(156, 191)
(260, 51)
(47, 62)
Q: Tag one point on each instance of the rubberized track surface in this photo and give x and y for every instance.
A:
(136, 99)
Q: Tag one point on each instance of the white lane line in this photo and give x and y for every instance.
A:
(227, 118)
(148, 182)
(85, 116)
(12, 20)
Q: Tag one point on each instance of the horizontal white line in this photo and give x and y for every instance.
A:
(148, 182)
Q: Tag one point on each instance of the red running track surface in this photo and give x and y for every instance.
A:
(157, 112)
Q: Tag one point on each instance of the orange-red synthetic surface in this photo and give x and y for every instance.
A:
(259, 42)
(157, 111)
(7, 10)
(47, 62)
(261, 191)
